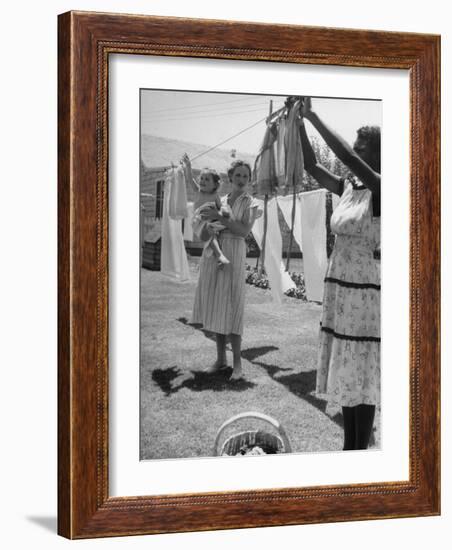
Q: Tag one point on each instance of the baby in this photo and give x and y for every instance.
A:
(206, 197)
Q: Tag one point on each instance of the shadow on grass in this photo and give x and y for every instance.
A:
(207, 333)
(200, 381)
(164, 378)
(301, 384)
(249, 354)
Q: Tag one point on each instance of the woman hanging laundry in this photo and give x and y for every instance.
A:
(349, 347)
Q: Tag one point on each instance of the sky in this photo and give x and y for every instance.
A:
(210, 118)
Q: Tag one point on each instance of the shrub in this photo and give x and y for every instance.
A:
(259, 279)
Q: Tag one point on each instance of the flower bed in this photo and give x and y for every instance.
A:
(258, 277)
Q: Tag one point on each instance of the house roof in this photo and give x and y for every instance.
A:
(160, 152)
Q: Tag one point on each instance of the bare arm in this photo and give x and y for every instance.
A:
(238, 228)
(218, 202)
(188, 173)
(324, 177)
(343, 151)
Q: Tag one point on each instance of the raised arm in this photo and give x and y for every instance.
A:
(324, 177)
(186, 163)
(369, 177)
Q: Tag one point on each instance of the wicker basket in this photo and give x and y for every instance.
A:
(239, 443)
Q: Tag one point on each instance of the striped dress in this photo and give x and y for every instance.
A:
(349, 346)
(220, 293)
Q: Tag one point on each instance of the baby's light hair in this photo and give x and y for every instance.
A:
(214, 174)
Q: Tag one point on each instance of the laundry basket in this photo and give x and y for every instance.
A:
(240, 443)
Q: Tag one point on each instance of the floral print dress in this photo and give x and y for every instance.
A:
(349, 347)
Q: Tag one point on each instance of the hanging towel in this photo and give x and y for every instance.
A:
(335, 199)
(286, 204)
(178, 196)
(280, 280)
(264, 175)
(313, 227)
(294, 152)
(174, 261)
(188, 229)
(281, 153)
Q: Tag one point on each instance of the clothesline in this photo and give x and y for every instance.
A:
(229, 139)
(272, 117)
(241, 132)
(239, 109)
(204, 105)
(216, 146)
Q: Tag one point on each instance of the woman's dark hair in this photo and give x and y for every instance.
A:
(235, 165)
(214, 174)
(372, 136)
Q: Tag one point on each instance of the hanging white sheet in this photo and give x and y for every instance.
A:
(285, 204)
(336, 199)
(280, 280)
(178, 196)
(174, 261)
(188, 229)
(313, 228)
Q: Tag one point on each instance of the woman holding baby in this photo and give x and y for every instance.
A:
(220, 293)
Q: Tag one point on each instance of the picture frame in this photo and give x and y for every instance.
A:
(85, 42)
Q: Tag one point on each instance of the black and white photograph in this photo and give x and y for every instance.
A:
(260, 274)
(212, 339)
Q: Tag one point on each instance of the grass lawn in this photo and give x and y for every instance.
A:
(182, 406)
